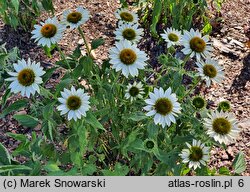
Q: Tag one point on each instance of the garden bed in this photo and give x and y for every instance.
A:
(229, 40)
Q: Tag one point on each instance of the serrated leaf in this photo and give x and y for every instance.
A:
(14, 107)
(26, 120)
(48, 110)
(239, 163)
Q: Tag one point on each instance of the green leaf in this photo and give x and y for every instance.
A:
(5, 97)
(91, 119)
(6, 168)
(48, 5)
(239, 163)
(182, 139)
(77, 52)
(48, 74)
(96, 43)
(207, 28)
(67, 63)
(26, 120)
(119, 170)
(51, 167)
(14, 107)
(77, 72)
(48, 127)
(48, 110)
(5, 157)
(138, 116)
(15, 3)
(152, 129)
(19, 137)
(89, 169)
(155, 17)
(124, 3)
(63, 84)
(126, 143)
(72, 172)
(45, 93)
(224, 171)
(87, 63)
(48, 50)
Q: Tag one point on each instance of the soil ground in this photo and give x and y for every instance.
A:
(229, 39)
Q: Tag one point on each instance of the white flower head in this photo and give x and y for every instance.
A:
(134, 91)
(74, 19)
(196, 45)
(195, 155)
(126, 16)
(210, 71)
(48, 33)
(130, 32)
(74, 102)
(127, 58)
(222, 127)
(26, 78)
(163, 106)
(172, 37)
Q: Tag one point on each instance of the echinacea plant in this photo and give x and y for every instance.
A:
(122, 117)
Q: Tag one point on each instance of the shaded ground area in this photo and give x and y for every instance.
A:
(229, 42)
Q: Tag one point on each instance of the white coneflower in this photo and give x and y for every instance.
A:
(126, 16)
(130, 32)
(196, 45)
(134, 91)
(163, 106)
(127, 58)
(210, 71)
(195, 155)
(222, 127)
(172, 37)
(74, 102)
(48, 33)
(26, 78)
(74, 19)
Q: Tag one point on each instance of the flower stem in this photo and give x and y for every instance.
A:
(185, 60)
(85, 41)
(63, 56)
(191, 89)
